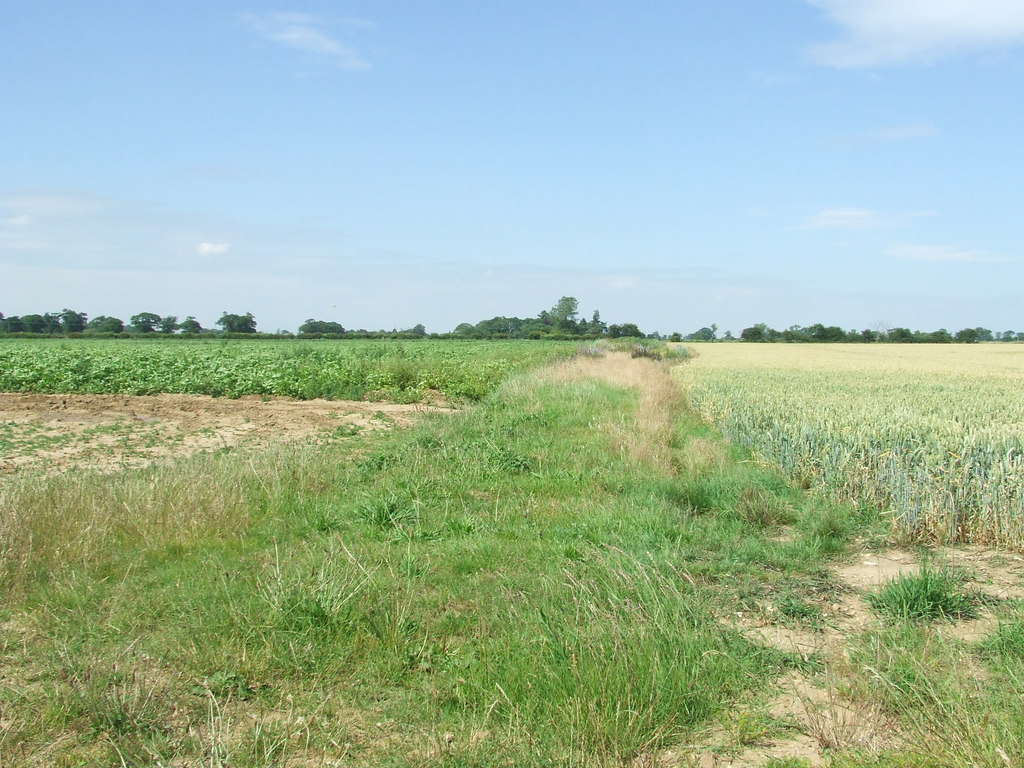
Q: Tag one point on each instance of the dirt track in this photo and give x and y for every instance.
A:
(110, 432)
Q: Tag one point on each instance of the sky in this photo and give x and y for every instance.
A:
(673, 163)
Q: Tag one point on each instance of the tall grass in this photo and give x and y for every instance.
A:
(521, 583)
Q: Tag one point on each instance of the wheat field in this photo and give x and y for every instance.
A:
(930, 434)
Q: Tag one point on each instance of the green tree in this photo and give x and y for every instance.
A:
(237, 323)
(168, 324)
(104, 324)
(33, 323)
(563, 314)
(14, 324)
(624, 330)
(320, 327)
(757, 332)
(72, 322)
(703, 334)
(190, 325)
(966, 336)
(144, 322)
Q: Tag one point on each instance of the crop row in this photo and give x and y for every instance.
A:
(304, 370)
(941, 453)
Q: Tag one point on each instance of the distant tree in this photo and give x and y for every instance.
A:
(144, 322)
(320, 327)
(596, 326)
(14, 324)
(51, 323)
(728, 336)
(984, 334)
(417, 330)
(465, 330)
(168, 324)
(966, 336)
(190, 325)
(72, 322)
(826, 334)
(702, 334)
(795, 334)
(675, 336)
(237, 323)
(33, 323)
(899, 336)
(868, 336)
(104, 324)
(755, 333)
(624, 330)
(563, 314)
(941, 336)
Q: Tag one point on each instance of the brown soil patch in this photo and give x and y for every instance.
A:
(112, 432)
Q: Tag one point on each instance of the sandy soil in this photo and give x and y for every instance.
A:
(111, 432)
(821, 716)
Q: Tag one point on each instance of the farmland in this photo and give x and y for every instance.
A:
(571, 568)
(931, 435)
(350, 370)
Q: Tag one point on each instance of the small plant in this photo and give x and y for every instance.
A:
(930, 594)
(1008, 641)
(640, 350)
(389, 510)
(795, 609)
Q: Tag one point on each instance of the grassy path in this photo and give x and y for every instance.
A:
(574, 572)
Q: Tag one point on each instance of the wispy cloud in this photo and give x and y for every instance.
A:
(944, 254)
(21, 220)
(213, 249)
(879, 33)
(858, 219)
(311, 35)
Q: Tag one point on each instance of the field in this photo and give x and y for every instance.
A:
(570, 568)
(350, 370)
(930, 435)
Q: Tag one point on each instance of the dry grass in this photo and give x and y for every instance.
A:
(646, 434)
(47, 522)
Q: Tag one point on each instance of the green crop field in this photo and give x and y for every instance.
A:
(384, 370)
(932, 435)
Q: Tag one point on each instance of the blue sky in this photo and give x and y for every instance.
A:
(382, 164)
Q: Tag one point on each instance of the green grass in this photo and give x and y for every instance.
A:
(506, 576)
(933, 593)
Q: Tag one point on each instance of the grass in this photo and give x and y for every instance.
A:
(533, 581)
(933, 593)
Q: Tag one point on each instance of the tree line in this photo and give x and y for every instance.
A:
(70, 322)
(562, 321)
(832, 334)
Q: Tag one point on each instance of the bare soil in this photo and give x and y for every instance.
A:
(112, 432)
(819, 716)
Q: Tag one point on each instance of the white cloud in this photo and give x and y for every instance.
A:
(880, 33)
(22, 220)
(944, 254)
(54, 204)
(308, 34)
(213, 249)
(858, 219)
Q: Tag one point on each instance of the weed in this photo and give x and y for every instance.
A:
(389, 510)
(931, 594)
